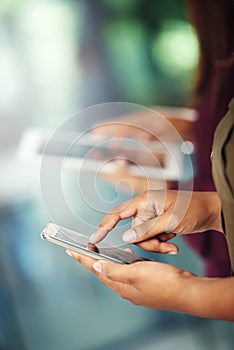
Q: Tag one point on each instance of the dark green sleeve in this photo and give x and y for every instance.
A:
(223, 174)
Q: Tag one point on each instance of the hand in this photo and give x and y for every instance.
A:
(159, 215)
(149, 124)
(131, 184)
(151, 284)
(127, 126)
(165, 287)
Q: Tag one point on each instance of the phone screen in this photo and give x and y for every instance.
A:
(74, 239)
(132, 151)
(151, 159)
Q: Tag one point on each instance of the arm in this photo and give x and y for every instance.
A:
(148, 124)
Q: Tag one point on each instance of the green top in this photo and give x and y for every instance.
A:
(223, 174)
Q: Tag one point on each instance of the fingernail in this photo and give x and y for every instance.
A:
(98, 267)
(129, 236)
(69, 253)
(173, 252)
(98, 235)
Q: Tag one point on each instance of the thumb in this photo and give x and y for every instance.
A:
(115, 272)
(148, 229)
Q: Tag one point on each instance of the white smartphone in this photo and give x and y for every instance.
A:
(150, 159)
(78, 242)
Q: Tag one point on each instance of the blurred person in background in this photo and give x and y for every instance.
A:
(213, 89)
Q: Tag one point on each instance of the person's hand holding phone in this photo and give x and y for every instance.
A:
(147, 125)
(151, 284)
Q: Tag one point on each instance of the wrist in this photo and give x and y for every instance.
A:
(191, 297)
(215, 212)
(178, 293)
(206, 297)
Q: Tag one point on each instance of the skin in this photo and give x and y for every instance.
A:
(141, 126)
(158, 285)
(131, 184)
(159, 215)
(149, 124)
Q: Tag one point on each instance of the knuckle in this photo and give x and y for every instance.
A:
(141, 229)
(155, 245)
(115, 209)
(125, 294)
(77, 257)
(136, 302)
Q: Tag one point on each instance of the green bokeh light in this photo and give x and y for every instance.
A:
(175, 48)
(126, 45)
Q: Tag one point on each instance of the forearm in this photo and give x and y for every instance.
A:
(182, 123)
(207, 297)
(183, 127)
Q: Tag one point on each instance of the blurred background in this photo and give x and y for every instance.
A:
(56, 58)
